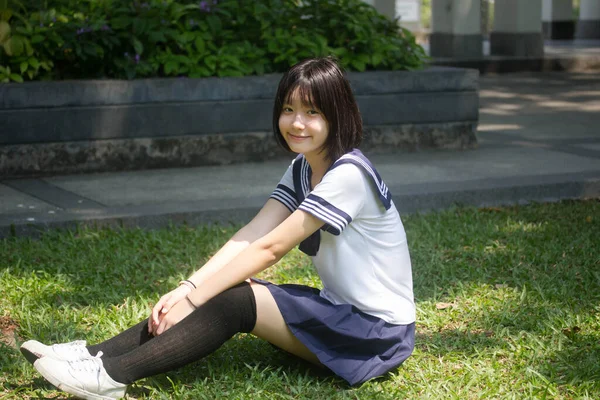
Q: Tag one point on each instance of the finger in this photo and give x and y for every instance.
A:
(156, 324)
(152, 326)
(151, 320)
(156, 311)
(154, 316)
(166, 307)
(162, 327)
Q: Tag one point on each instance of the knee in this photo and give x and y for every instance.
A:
(237, 303)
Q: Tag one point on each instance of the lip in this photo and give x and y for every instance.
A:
(296, 138)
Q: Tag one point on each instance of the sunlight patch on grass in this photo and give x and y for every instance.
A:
(508, 306)
(521, 226)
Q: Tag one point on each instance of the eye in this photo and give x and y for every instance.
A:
(287, 109)
(312, 112)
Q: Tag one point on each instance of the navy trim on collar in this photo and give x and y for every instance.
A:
(357, 158)
(302, 175)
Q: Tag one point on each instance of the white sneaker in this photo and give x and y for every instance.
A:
(72, 351)
(86, 379)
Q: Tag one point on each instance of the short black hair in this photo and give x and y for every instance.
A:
(321, 82)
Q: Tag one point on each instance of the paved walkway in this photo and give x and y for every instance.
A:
(565, 48)
(539, 136)
(581, 55)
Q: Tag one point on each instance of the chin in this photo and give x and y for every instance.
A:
(297, 148)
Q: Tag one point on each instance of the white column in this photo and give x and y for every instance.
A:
(557, 19)
(588, 26)
(456, 29)
(517, 28)
(408, 12)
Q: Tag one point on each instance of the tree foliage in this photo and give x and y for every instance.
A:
(74, 39)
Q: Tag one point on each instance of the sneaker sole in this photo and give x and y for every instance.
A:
(83, 394)
(30, 355)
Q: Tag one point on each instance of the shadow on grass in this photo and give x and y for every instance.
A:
(87, 266)
(36, 383)
(524, 274)
(457, 341)
(51, 331)
(556, 260)
(243, 366)
(576, 363)
(533, 270)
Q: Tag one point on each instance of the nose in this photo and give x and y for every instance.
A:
(298, 123)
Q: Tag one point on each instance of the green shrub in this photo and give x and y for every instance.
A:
(69, 39)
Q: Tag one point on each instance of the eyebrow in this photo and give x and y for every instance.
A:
(305, 103)
(308, 98)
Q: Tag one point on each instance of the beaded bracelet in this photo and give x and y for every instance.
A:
(188, 283)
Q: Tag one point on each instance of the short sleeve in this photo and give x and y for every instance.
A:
(284, 192)
(338, 198)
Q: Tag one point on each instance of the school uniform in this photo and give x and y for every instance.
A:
(362, 323)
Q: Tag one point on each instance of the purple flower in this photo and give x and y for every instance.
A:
(53, 19)
(137, 58)
(105, 28)
(83, 30)
(204, 6)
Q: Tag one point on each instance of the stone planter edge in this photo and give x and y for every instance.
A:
(96, 126)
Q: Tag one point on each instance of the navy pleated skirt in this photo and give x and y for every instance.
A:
(354, 345)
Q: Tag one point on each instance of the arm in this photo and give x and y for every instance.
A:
(271, 215)
(259, 255)
(256, 257)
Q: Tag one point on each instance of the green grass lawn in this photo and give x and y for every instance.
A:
(508, 307)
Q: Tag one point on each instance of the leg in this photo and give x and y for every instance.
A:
(196, 336)
(124, 342)
(271, 326)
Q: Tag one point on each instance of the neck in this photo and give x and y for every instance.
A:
(318, 165)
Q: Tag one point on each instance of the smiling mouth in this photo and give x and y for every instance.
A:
(297, 137)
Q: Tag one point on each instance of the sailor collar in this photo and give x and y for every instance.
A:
(302, 174)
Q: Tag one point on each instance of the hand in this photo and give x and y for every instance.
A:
(174, 315)
(164, 305)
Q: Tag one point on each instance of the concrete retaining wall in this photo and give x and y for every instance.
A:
(86, 126)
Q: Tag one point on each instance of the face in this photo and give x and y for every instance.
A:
(303, 127)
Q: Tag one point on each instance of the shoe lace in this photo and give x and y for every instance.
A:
(88, 365)
(77, 346)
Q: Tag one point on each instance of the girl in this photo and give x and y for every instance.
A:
(332, 202)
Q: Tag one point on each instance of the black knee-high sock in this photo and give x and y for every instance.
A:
(194, 337)
(124, 342)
